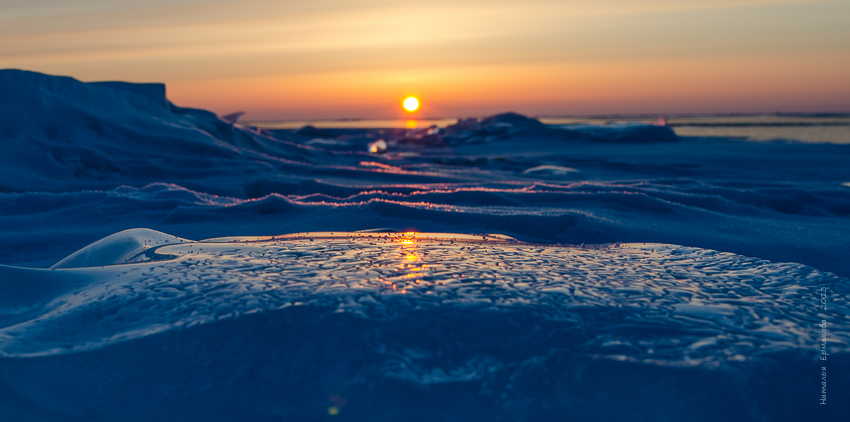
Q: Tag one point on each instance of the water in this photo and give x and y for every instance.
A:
(355, 123)
(832, 128)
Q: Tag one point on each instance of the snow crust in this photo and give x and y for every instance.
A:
(484, 315)
(117, 248)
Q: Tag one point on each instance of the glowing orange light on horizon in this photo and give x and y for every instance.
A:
(408, 246)
(411, 104)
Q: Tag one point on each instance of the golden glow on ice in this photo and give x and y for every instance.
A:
(409, 254)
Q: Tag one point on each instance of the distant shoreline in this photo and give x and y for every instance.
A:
(803, 127)
(594, 116)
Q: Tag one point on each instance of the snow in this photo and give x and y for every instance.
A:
(263, 326)
(551, 170)
(700, 265)
(117, 248)
(626, 132)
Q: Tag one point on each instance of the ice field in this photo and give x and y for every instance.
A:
(494, 269)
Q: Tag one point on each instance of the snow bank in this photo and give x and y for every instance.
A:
(117, 248)
(62, 134)
(625, 132)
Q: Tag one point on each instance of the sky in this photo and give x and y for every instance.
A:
(328, 59)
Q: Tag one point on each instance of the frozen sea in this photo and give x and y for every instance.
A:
(800, 127)
(161, 263)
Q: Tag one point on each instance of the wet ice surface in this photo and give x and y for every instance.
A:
(715, 306)
(484, 316)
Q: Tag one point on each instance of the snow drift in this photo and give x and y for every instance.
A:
(61, 134)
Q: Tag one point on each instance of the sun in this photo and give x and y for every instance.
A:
(411, 103)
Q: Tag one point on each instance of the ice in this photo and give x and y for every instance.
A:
(445, 311)
(233, 117)
(605, 272)
(163, 282)
(551, 170)
(98, 158)
(117, 248)
(60, 134)
(626, 132)
(378, 146)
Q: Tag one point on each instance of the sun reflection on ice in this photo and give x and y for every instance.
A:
(411, 256)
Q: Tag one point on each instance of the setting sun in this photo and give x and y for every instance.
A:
(411, 104)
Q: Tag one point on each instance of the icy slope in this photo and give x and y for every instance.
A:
(58, 133)
(482, 325)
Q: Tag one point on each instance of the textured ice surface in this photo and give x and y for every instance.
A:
(441, 312)
(715, 306)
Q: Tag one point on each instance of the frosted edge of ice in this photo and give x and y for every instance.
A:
(117, 248)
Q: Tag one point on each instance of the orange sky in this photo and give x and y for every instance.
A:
(360, 58)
